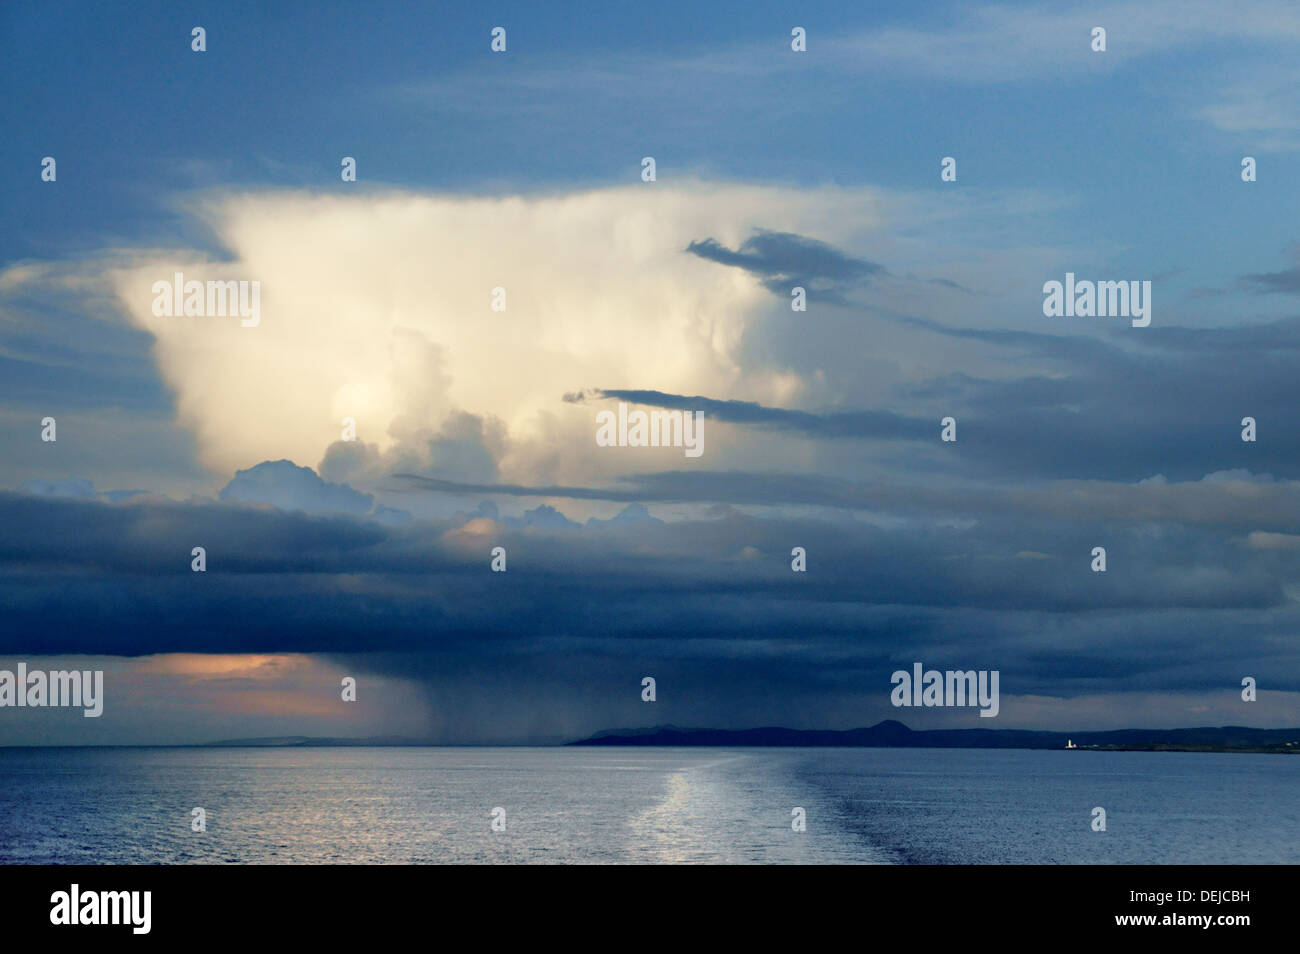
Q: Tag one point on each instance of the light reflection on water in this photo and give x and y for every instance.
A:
(629, 805)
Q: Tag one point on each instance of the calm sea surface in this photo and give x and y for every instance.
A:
(401, 805)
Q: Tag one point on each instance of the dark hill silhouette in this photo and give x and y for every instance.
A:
(894, 734)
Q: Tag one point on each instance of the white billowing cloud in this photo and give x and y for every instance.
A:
(378, 307)
(290, 487)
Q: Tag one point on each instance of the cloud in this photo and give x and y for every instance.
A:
(833, 424)
(1261, 102)
(1075, 406)
(543, 517)
(1260, 540)
(372, 313)
(466, 447)
(783, 260)
(707, 604)
(1088, 405)
(992, 43)
(874, 590)
(283, 484)
(378, 308)
(633, 514)
(188, 698)
(373, 554)
(75, 487)
(1218, 500)
(1286, 281)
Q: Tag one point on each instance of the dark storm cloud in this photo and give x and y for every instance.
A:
(86, 576)
(1126, 406)
(782, 260)
(835, 424)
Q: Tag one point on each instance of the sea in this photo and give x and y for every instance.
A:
(644, 805)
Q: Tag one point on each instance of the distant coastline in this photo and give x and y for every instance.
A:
(887, 734)
(894, 734)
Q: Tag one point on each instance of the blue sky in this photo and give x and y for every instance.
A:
(281, 91)
(522, 170)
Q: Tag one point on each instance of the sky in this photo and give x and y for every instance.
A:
(500, 273)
